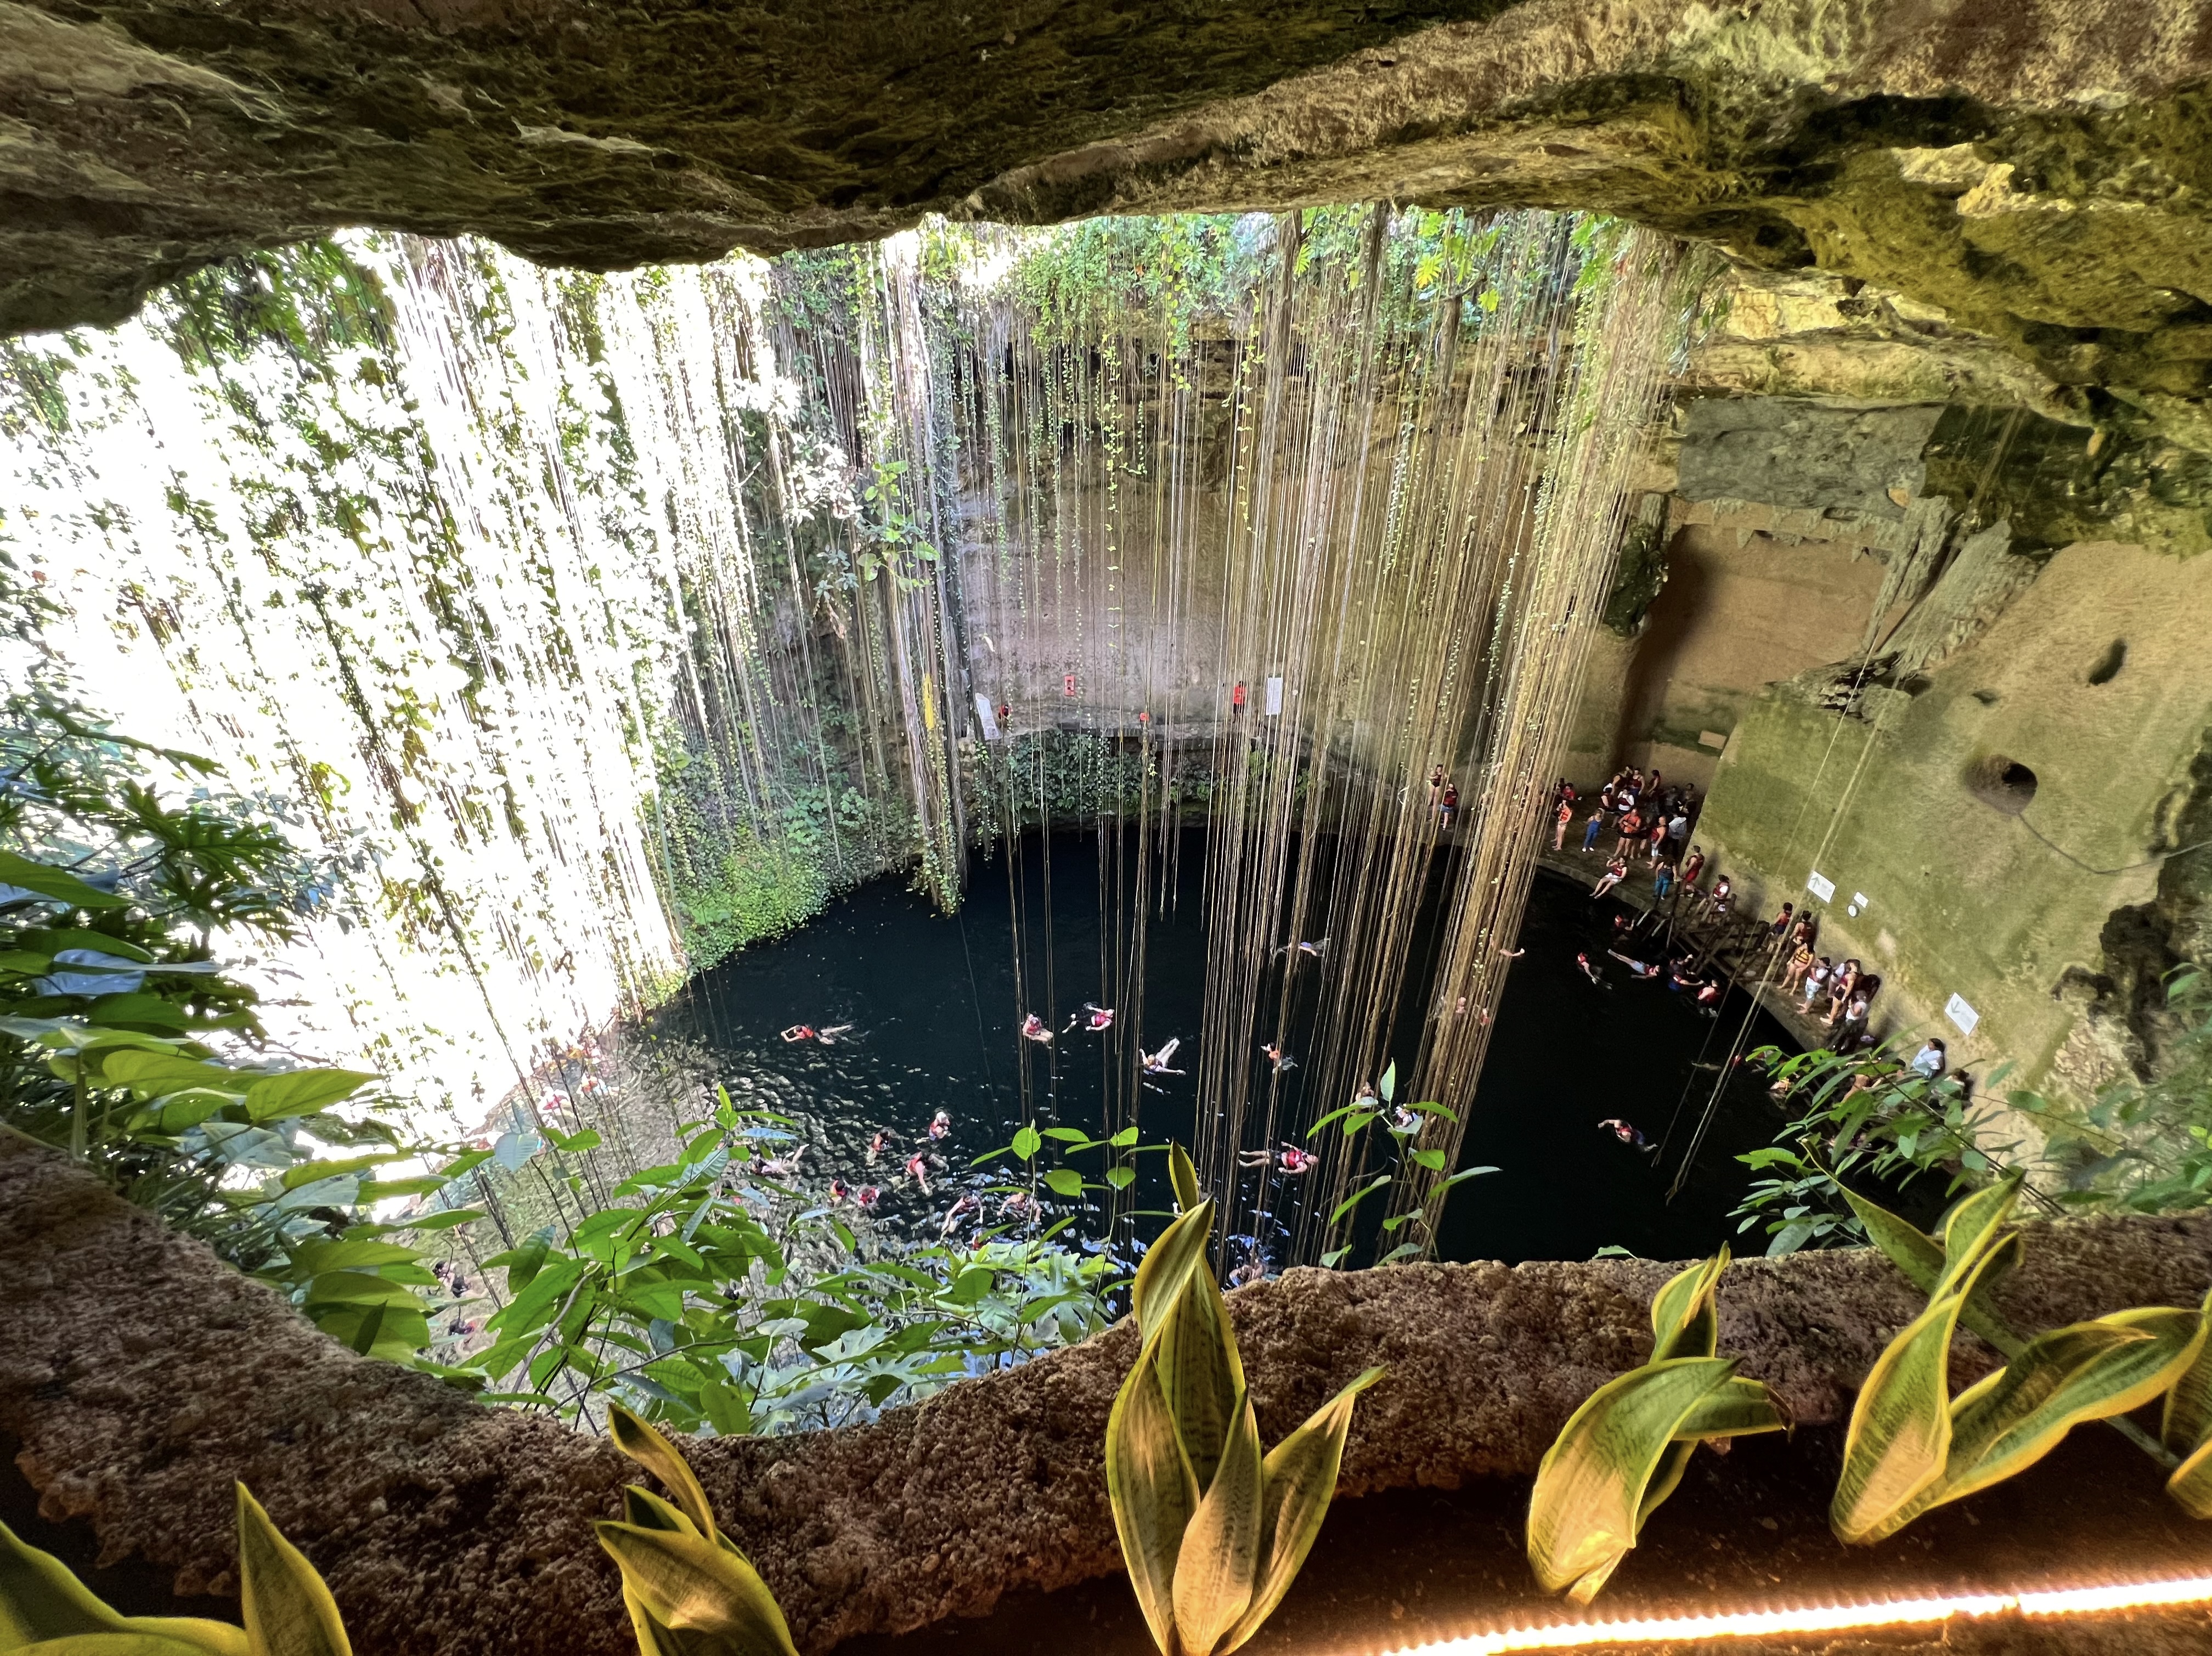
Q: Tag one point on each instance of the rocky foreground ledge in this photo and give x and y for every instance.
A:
(142, 1376)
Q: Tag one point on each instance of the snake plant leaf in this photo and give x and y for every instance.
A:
(289, 1610)
(1741, 1409)
(2085, 1372)
(44, 1605)
(1200, 1373)
(1297, 1481)
(690, 1584)
(1588, 1504)
(2191, 1482)
(1183, 1177)
(1920, 1257)
(649, 1511)
(128, 1642)
(1167, 1267)
(645, 1446)
(1901, 1431)
(1153, 1492)
(1970, 1229)
(1684, 1321)
(1218, 1563)
(2187, 1423)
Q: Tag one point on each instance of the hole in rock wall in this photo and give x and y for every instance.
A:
(2002, 784)
(2110, 663)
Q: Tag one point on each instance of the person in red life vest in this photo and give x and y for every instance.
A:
(1236, 702)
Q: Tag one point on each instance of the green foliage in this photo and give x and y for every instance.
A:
(1213, 1534)
(712, 1302)
(1414, 1176)
(1626, 1450)
(1912, 1446)
(308, 298)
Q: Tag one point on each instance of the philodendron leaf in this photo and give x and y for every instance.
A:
(1183, 1177)
(1167, 1268)
(691, 1585)
(1200, 1373)
(644, 1445)
(1297, 1481)
(1589, 1502)
(58, 883)
(2187, 1423)
(1153, 1492)
(1218, 1563)
(1900, 1429)
(2084, 1372)
(289, 1610)
(1684, 1322)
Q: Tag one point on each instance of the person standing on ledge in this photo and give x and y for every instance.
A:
(1236, 701)
(1592, 829)
(1566, 815)
(1451, 803)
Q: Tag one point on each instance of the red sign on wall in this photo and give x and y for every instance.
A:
(1068, 683)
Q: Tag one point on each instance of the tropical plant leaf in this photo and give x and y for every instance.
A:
(289, 1610)
(1589, 1502)
(1920, 1257)
(130, 1641)
(1183, 1177)
(644, 1445)
(2085, 1372)
(692, 1584)
(1200, 1373)
(41, 1599)
(1684, 1322)
(2191, 1482)
(57, 883)
(1167, 1266)
(1900, 1429)
(2187, 1422)
(1298, 1481)
(1741, 1409)
(1153, 1492)
(1217, 1563)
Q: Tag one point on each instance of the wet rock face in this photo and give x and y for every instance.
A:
(2038, 172)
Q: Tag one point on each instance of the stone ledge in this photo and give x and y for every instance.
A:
(142, 1376)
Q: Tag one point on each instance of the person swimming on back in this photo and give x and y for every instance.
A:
(1291, 1159)
(868, 1195)
(1588, 970)
(1254, 1270)
(1628, 1134)
(917, 1168)
(1101, 1018)
(1033, 1029)
(1273, 1051)
(1641, 968)
(1156, 1063)
(940, 1124)
(798, 1032)
(1316, 949)
(784, 1167)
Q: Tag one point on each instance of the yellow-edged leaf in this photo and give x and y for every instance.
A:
(1970, 1229)
(1685, 1322)
(1218, 1563)
(1900, 1428)
(644, 1445)
(1167, 1267)
(1200, 1373)
(690, 1585)
(1183, 1177)
(122, 1643)
(2090, 1371)
(289, 1610)
(1587, 1503)
(2191, 1482)
(1740, 1408)
(649, 1511)
(2188, 1419)
(1153, 1494)
(1298, 1480)
(1920, 1257)
(210, 1638)
(41, 1599)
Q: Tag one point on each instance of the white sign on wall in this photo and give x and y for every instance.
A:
(1274, 696)
(1821, 886)
(1960, 1013)
(989, 719)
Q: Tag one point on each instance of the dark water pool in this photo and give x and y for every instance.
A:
(935, 1006)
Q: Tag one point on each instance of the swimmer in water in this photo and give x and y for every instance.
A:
(838, 1191)
(1366, 1096)
(1641, 968)
(868, 1195)
(1588, 970)
(1406, 1119)
(876, 1148)
(1317, 949)
(1101, 1018)
(959, 1210)
(1017, 1205)
(1156, 1063)
(1254, 1270)
(784, 1167)
(940, 1124)
(828, 1033)
(1274, 1054)
(1033, 1029)
(917, 1168)
(798, 1032)
(1629, 1135)
(1291, 1159)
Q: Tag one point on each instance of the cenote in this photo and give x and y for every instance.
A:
(934, 1006)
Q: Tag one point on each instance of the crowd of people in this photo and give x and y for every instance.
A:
(1638, 820)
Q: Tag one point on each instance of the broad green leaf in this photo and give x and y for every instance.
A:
(1388, 1086)
(1900, 1428)
(58, 883)
(1200, 1373)
(1740, 1408)
(289, 1610)
(1153, 1492)
(1183, 1177)
(1358, 1197)
(690, 1584)
(644, 1445)
(1218, 1563)
(1027, 1143)
(2084, 1372)
(1167, 1266)
(301, 1092)
(151, 1075)
(41, 1599)
(1064, 1181)
(1298, 1481)
(2188, 1419)
(1588, 1504)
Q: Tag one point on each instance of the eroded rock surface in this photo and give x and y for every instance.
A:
(2036, 173)
(143, 1377)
